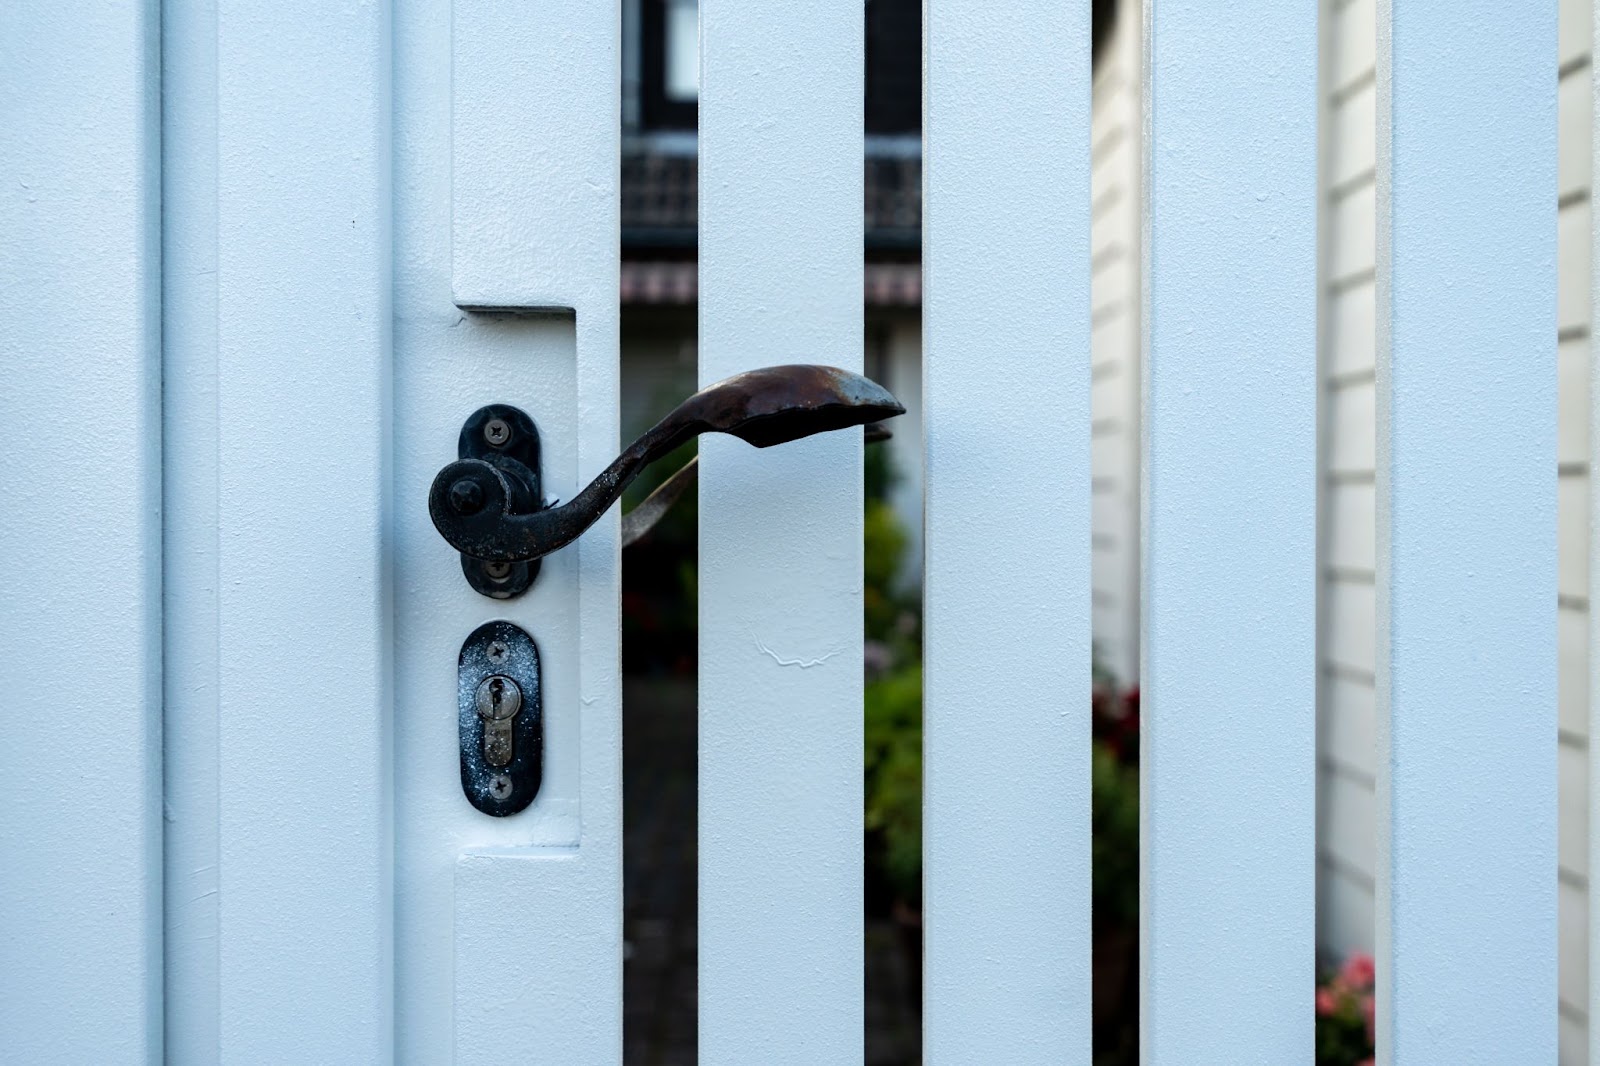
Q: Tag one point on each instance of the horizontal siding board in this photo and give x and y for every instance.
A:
(1572, 274)
(1347, 724)
(1354, 45)
(1351, 521)
(1572, 637)
(1350, 420)
(1572, 538)
(1572, 400)
(1350, 618)
(1576, 111)
(1573, 921)
(1572, 768)
(1347, 821)
(1352, 138)
(1350, 235)
(1116, 340)
(1573, 33)
(1349, 330)
(1344, 910)
(1574, 1042)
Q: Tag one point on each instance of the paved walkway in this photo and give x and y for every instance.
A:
(659, 887)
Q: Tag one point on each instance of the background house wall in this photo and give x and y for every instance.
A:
(1115, 399)
(1574, 308)
(1346, 641)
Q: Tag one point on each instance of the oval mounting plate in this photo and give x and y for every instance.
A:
(505, 650)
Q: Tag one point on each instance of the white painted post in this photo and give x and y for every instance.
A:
(781, 113)
(80, 533)
(303, 325)
(1006, 371)
(1230, 519)
(1466, 170)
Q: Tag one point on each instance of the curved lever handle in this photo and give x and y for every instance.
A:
(648, 512)
(474, 502)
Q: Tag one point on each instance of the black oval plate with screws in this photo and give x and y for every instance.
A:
(506, 436)
(500, 654)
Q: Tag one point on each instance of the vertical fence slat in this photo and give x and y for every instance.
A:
(303, 311)
(190, 533)
(781, 115)
(1230, 421)
(80, 533)
(1006, 745)
(1466, 533)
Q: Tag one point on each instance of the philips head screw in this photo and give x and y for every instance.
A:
(497, 431)
(499, 786)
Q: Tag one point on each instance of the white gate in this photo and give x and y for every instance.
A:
(262, 260)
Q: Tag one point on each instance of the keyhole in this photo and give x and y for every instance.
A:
(497, 693)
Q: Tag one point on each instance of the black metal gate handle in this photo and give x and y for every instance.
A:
(480, 506)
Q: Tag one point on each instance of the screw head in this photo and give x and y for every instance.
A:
(499, 786)
(497, 571)
(497, 652)
(466, 497)
(497, 431)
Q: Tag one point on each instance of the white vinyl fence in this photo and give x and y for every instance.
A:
(252, 258)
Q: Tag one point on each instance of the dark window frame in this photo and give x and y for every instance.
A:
(658, 111)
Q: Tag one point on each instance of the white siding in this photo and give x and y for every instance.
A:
(1573, 309)
(1346, 804)
(1346, 770)
(1115, 133)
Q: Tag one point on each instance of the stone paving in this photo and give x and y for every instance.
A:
(659, 887)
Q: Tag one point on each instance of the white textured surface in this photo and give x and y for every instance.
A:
(191, 537)
(1006, 747)
(1466, 511)
(527, 985)
(80, 534)
(780, 542)
(303, 351)
(1230, 424)
(534, 145)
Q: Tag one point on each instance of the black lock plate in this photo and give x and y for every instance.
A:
(500, 650)
(505, 436)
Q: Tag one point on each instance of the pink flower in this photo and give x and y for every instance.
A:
(1327, 1002)
(1365, 1062)
(1359, 971)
